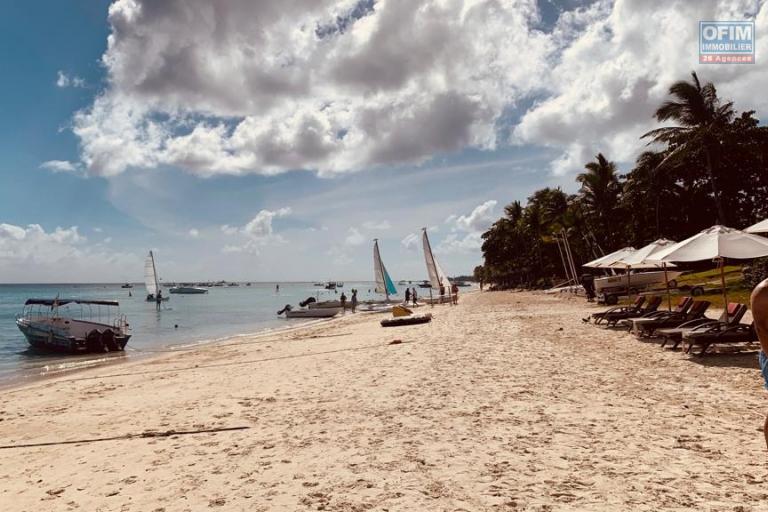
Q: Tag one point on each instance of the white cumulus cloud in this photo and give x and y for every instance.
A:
(410, 242)
(257, 232)
(354, 237)
(63, 254)
(327, 85)
(60, 166)
(64, 80)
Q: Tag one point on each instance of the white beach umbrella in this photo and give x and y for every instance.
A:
(641, 258)
(607, 260)
(716, 243)
(760, 227)
(638, 259)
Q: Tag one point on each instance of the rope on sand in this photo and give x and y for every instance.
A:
(142, 435)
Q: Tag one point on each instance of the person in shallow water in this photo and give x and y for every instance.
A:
(759, 305)
(159, 299)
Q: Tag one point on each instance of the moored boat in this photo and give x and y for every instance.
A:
(289, 312)
(635, 281)
(47, 327)
(188, 290)
(313, 313)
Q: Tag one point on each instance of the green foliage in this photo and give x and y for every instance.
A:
(756, 272)
(710, 165)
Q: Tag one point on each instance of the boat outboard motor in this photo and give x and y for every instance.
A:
(109, 341)
(94, 341)
(588, 282)
(286, 308)
(308, 300)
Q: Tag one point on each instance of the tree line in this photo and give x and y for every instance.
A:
(705, 166)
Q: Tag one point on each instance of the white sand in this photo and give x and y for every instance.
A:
(506, 402)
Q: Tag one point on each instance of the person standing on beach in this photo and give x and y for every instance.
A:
(455, 293)
(353, 300)
(758, 302)
(407, 295)
(343, 301)
(158, 299)
(413, 296)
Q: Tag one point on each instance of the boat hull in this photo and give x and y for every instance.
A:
(45, 338)
(639, 281)
(313, 313)
(188, 290)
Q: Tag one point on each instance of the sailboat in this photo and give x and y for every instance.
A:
(438, 280)
(150, 278)
(384, 283)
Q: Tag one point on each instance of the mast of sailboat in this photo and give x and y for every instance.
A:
(377, 261)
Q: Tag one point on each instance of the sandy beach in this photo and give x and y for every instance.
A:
(506, 402)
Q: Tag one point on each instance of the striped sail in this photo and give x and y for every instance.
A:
(384, 283)
(150, 275)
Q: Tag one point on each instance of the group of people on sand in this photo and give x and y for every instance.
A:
(352, 301)
(411, 297)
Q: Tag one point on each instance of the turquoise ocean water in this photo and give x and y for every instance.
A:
(222, 312)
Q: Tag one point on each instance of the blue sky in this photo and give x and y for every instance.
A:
(238, 144)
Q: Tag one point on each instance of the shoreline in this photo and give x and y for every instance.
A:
(146, 355)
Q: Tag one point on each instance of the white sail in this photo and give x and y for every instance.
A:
(384, 283)
(436, 275)
(150, 275)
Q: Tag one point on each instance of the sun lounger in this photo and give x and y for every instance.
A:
(741, 333)
(635, 307)
(731, 316)
(619, 313)
(647, 326)
(683, 305)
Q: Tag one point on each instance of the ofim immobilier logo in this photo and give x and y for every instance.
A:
(727, 42)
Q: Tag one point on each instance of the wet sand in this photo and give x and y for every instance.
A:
(506, 402)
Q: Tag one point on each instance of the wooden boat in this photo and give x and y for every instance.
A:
(127, 285)
(46, 328)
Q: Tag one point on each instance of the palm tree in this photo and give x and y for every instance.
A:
(600, 192)
(701, 119)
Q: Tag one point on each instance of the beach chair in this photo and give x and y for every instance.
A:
(683, 305)
(731, 316)
(636, 307)
(650, 308)
(741, 333)
(645, 327)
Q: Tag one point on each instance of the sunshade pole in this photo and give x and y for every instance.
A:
(722, 281)
(666, 285)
